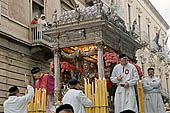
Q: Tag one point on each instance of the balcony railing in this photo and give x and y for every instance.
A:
(135, 31)
(144, 39)
(37, 36)
(153, 47)
(98, 11)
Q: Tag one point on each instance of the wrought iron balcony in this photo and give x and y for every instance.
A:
(37, 37)
(153, 47)
(135, 31)
(97, 11)
(144, 41)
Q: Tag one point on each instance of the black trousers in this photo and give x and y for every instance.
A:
(128, 111)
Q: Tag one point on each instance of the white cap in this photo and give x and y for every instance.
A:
(42, 15)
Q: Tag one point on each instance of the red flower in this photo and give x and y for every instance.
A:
(110, 58)
(66, 66)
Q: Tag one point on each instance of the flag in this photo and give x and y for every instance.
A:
(166, 40)
(157, 38)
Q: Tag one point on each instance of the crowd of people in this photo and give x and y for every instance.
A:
(125, 75)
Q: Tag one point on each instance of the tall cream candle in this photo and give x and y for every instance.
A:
(96, 96)
(93, 97)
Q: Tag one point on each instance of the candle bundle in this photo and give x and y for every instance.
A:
(38, 104)
(140, 97)
(97, 92)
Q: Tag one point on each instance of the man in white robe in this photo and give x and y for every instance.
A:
(125, 76)
(42, 23)
(16, 103)
(152, 89)
(76, 97)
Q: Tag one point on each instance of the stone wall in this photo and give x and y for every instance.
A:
(19, 10)
(15, 62)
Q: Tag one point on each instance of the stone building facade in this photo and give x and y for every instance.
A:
(147, 22)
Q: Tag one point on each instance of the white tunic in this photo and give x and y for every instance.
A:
(77, 99)
(16, 104)
(42, 24)
(152, 100)
(125, 98)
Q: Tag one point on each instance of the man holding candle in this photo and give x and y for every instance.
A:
(126, 77)
(44, 81)
(76, 98)
(16, 103)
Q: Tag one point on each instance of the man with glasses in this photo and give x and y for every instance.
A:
(125, 76)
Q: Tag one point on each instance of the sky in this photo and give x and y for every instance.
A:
(163, 7)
